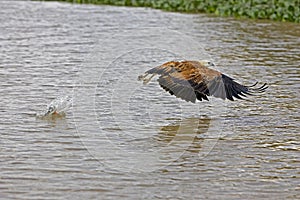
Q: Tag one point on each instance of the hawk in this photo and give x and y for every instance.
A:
(195, 80)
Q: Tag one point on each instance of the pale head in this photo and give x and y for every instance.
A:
(207, 63)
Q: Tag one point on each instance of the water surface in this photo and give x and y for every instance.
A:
(123, 139)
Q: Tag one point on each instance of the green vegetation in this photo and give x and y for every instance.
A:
(282, 10)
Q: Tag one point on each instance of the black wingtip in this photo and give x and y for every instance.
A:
(260, 89)
(238, 91)
(252, 84)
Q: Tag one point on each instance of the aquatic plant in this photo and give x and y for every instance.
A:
(281, 10)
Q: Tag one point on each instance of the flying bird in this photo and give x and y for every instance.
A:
(195, 80)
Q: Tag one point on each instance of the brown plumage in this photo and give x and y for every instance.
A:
(191, 80)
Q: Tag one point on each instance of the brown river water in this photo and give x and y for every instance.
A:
(125, 140)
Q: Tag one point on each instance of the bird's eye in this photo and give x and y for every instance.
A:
(210, 63)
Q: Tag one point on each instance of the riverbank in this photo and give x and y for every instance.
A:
(279, 10)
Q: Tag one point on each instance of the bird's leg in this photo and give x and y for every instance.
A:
(142, 77)
(145, 81)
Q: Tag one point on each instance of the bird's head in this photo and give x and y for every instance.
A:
(207, 63)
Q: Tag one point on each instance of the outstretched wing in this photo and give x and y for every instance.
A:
(190, 80)
(234, 89)
(174, 80)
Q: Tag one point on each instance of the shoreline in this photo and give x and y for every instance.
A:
(276, 10)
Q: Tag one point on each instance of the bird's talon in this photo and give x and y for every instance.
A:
(142, 77)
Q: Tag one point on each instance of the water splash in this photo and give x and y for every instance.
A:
(57, 107)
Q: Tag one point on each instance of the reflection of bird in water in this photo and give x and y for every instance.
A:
(184, 131)
(191, 80)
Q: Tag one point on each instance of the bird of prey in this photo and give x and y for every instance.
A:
(194, 80)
